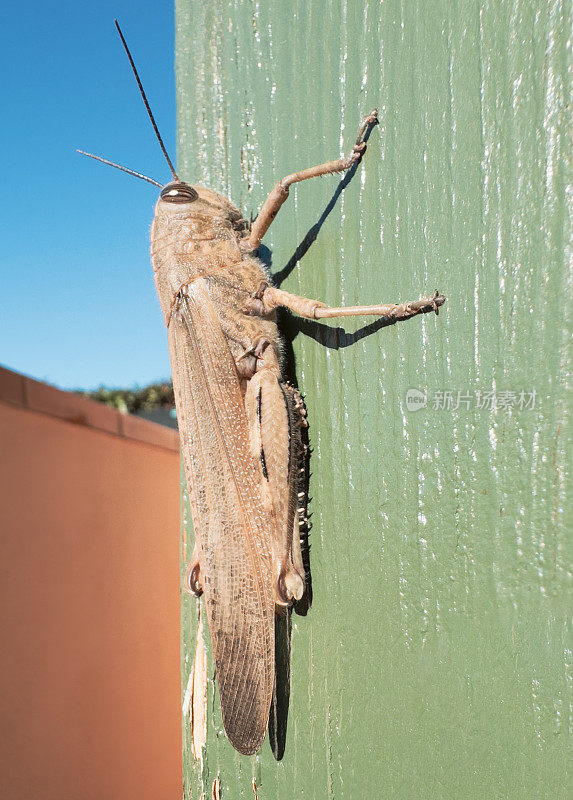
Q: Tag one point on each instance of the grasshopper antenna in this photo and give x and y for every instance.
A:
(123, 169)
(147, 106)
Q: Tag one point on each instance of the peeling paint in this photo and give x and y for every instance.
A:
(199, 694)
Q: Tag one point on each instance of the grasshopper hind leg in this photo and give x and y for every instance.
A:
(300, 520)
(276, 417)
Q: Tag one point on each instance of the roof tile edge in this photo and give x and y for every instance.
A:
(19, 390)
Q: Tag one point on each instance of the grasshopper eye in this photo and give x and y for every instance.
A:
(178, 193)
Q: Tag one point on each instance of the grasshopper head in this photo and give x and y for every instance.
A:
(193, 221)
(180, 200)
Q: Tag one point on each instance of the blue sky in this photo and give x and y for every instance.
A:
(77, 304)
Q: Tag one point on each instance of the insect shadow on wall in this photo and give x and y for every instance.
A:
(242, 428)
(290, 326)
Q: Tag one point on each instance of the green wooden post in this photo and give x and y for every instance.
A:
(434, 662)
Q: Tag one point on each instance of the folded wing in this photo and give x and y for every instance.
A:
(232, 525)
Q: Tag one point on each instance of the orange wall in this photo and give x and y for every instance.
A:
(89, 602)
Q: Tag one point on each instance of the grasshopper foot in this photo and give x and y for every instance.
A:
(193, 584)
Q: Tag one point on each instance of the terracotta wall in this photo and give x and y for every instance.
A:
(89, 600)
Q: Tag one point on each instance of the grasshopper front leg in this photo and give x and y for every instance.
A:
(280, 192)
(268, 298)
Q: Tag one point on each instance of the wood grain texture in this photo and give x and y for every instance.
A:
(435, 661)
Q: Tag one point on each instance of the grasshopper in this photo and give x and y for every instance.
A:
(240, 422)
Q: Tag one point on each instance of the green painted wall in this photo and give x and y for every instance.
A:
(436, 660)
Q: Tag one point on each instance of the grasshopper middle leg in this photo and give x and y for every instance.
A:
(268, 298)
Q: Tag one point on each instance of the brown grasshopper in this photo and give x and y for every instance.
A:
(239, 421)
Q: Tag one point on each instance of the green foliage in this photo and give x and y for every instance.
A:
(145, 398)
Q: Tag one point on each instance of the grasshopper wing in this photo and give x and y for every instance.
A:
(232, 524)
